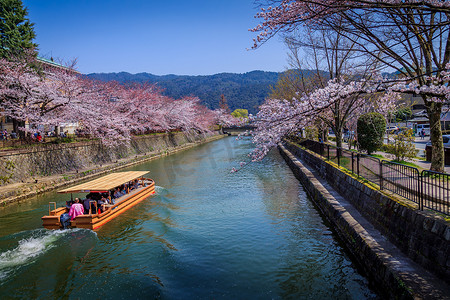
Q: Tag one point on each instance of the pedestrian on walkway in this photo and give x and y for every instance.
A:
(422, 134)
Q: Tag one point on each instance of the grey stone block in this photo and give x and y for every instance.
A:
(428, 224)
(447, 234)
(438, 228)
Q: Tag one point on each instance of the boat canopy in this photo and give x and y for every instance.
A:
(105, 183)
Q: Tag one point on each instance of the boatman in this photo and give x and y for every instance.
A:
(76, 209)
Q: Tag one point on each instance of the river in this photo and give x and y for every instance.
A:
(206, 234)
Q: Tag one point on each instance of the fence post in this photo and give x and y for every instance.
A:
(381, 175)
(353, 160)
(339, 156)
(357, 163)
(328, 151)
(421, 191)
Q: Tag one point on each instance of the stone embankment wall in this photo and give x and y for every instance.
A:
(48, 167)
(423, 236)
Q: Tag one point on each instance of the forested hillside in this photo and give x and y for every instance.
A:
(248, 90)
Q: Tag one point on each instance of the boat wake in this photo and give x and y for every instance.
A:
(161, 191)
(32, 245)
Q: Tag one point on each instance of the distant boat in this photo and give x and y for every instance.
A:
(144, 187)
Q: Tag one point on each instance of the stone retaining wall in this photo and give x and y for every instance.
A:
(57, 159)
(47, 168)
(423, 236)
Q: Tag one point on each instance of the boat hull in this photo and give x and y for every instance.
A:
(94, 221)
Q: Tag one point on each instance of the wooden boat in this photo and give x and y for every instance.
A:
(93, 219)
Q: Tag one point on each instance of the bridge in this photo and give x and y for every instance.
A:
(236, 130)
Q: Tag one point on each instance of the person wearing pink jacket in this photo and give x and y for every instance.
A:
(76, 209)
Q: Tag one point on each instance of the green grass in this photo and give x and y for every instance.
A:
(48, 141)
(437, 177)
(406, 163)
(67, 140)
(344, 162)
(377, 156)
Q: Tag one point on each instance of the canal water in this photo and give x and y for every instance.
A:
(206, 234)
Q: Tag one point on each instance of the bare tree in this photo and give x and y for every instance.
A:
(327, 55)
(409, 37)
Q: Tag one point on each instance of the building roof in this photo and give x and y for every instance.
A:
(419, 120)
(53, 64)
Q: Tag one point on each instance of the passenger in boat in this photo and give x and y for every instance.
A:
(76, 209)
(111, 197)
(102, 203)
(88, 204)
(69, 203)
(117, 193)
(135, 184)
(123, 190)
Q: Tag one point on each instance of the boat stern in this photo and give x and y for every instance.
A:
(52, 220)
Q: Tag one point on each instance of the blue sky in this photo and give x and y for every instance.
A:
(198, 37)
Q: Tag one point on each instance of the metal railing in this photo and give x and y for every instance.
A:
(401, 180)
(435, 191)
(428, 189)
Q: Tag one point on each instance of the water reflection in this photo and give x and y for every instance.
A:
(205, 234)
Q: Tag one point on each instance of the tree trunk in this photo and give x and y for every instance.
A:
(338, 134)
(15, 126)
(325, 135)
(434, 114)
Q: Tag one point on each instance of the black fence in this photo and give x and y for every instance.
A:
(428, 189)
(435, 191)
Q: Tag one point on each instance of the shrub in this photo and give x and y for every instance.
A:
(6, 170)
(312, 133)
(403, 146)
(371, 129)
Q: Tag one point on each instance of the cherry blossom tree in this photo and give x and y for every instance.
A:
(109, 111)
(279, 118)
(330, 57)
(408, 36)
(28, 95)
(333, 71)
(114, 112)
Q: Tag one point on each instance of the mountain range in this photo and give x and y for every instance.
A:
(247, 90)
